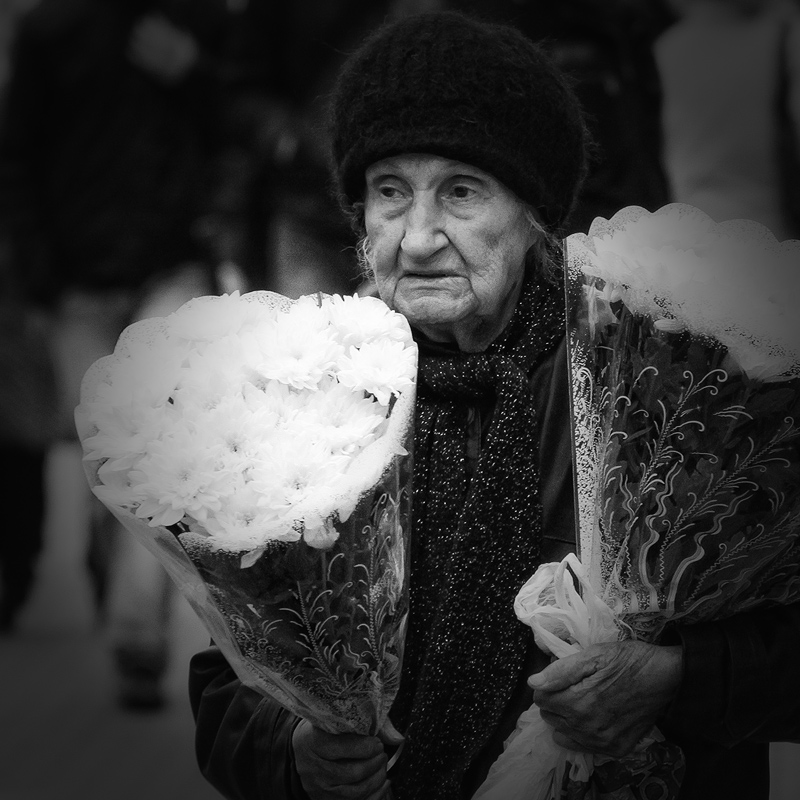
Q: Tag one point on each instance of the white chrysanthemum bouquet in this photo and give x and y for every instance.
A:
(258, 446)
(684, 355)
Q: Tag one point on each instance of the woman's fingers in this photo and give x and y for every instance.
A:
(339, 765)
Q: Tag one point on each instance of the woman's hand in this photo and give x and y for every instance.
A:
(604, 699)
(339, 765)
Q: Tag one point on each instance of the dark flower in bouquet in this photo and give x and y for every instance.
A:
(684, 356)
(258, 447)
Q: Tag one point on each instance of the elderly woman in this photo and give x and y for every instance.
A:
(458, 149)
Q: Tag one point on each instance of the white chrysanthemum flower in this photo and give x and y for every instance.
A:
(381, 368)
(364, 319)
(207, 319)
(308, 313)
(146, 375)
(345, 420)
(229, 418)
(297, 355)
(307, 475)
(239, 429)
(730, 281)
(257, 344)
(180, 475)
(277, 398)
(668, 325)
(124, 430)
(321, 537)
(131, 406)
(213, 374)
(116, 488)
(245, 523)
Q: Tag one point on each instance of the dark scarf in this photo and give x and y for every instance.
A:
(474, 543)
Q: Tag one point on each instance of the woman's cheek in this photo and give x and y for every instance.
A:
(385, 242)
(386, 277)
(380, 230)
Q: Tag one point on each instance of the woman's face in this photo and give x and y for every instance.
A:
(448, 244)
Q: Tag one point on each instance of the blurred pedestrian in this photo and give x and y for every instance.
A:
(27, 407)
(730, 72)
(293, 226)
(107, 131)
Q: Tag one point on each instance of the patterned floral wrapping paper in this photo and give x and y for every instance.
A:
(685, 367)
(684, 359)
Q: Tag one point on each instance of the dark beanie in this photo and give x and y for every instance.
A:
(450, 85)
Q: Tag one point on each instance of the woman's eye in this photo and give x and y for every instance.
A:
(390, 192)
(462, 192)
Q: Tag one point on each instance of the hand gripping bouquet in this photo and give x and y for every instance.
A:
(257, 446)
(684, 350)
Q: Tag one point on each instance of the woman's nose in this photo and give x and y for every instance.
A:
(423, 236)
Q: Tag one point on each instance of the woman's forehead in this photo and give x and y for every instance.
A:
(424, 164)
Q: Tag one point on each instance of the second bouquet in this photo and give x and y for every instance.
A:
(684, 363)
(259, 448)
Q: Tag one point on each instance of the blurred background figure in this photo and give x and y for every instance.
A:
(27, 408)
(292, 222)
(108, 128)
(27, 414)
(730, 73)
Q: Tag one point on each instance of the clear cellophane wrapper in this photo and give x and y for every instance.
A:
(318, 629)
(684, 360)
(566, 615)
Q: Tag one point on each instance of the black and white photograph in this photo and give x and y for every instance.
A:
(400, 399)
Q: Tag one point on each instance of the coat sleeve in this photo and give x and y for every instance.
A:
(242, 740)
(740, 678)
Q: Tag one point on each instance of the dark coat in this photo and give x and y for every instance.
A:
(739, 689)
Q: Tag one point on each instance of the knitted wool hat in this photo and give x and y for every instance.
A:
(447, 84)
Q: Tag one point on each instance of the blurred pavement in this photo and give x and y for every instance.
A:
(62, 735)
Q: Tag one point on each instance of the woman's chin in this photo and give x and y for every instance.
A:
(440, 312)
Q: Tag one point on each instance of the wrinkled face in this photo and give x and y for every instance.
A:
(448, 244)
